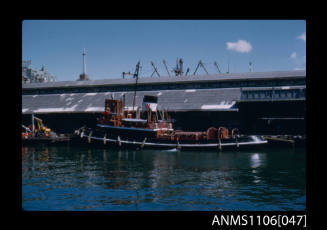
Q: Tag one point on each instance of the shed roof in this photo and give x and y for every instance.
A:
(172, 100)
(178, 79)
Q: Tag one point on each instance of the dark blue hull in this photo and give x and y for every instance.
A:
(102, 139)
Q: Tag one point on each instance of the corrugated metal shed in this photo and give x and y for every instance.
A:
(179, 79)
(173, 100)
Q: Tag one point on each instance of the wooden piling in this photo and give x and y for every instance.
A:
(89, 137)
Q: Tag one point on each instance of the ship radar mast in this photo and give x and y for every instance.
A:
(136, 75)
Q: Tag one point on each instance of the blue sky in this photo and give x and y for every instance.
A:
(114, 46)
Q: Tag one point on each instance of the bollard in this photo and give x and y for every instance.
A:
(89, 137)
(142, 145)
(118, 141)
(179, 147)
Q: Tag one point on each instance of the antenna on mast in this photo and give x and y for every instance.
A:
(228, 67)
(250, 67)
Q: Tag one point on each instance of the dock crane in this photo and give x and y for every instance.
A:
(164, 62)
(217, 66)
(200, 64)
(187, 70)
(155, 69)
(179, 69)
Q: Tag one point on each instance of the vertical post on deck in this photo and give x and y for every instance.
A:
(33, 128)
(219, 143)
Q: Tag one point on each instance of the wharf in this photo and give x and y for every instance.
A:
(62, 139)
(285, 140)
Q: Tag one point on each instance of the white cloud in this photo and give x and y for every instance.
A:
(241, 46)
(302, 36)
(293, 55)
(300, 62)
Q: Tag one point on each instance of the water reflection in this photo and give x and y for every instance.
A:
(146, 180)
(162, 169)
(44, 155)
(104, 155)
(258, 160)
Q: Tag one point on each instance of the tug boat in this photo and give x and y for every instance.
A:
(150, 128)
(147, 127)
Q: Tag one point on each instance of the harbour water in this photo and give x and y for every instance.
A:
(79, 178)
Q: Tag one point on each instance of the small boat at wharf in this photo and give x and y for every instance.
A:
(147, 127)
(40, 134)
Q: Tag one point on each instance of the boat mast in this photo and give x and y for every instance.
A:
(136, 75)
